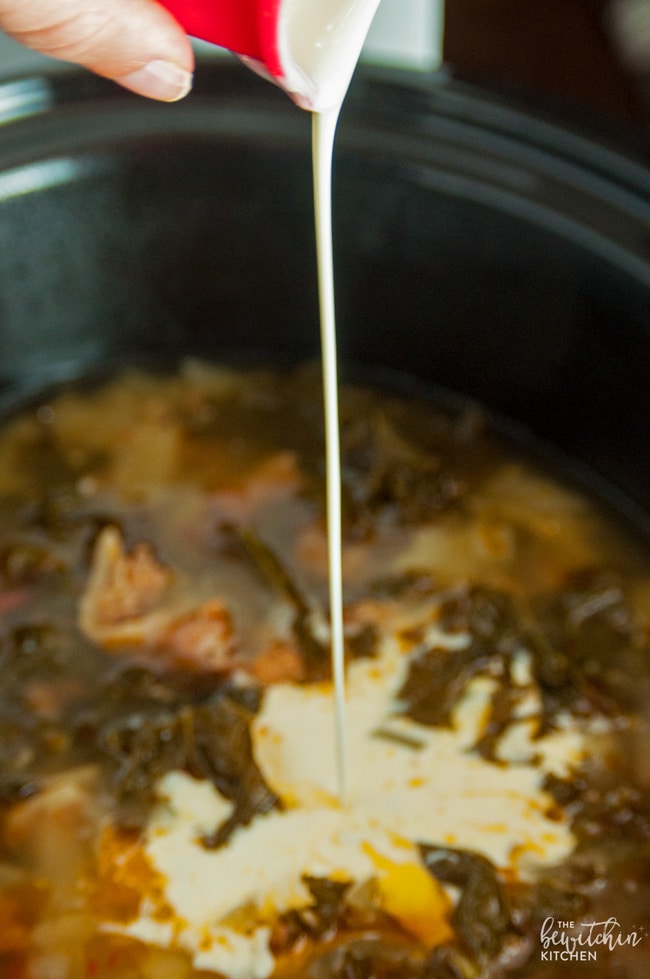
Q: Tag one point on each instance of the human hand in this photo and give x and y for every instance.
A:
(137, 43)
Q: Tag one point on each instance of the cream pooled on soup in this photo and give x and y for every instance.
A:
(408, 785)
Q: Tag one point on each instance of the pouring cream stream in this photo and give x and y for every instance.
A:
(319, 42)
(318, 47)
(310, 48)
(323, 133)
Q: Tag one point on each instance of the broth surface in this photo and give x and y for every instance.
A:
(168, 797)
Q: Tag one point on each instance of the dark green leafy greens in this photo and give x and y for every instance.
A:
(582, 642)
(482, 917)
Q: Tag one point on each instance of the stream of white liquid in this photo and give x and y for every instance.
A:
(320, 42)
(323, 133)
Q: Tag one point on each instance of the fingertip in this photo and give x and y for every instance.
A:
(159, 79)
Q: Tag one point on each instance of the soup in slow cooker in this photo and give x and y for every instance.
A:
(169, 799)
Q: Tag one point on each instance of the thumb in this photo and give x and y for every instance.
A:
(137, 43)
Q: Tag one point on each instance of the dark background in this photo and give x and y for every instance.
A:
(562, 48)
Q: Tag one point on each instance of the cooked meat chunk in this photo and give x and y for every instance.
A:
(129, 602)
(202, 638)
(123, 586)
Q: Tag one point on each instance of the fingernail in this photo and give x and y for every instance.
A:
(159, 80)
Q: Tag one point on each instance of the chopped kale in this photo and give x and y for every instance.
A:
(210, 740)
(389, 477)
(317, 920)
(598, 649)
(361, 643)
(502, 713)
(438, 676)
(586, 655)
(601, 807)
(436, 680)
(271, 568)
(482, 917)
(329, 896)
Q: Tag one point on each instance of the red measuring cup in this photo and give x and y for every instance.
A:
(249, 28)
(308, 50)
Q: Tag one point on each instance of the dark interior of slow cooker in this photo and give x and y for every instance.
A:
(132, 232)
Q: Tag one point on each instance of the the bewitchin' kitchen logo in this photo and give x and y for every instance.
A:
(582, 941)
